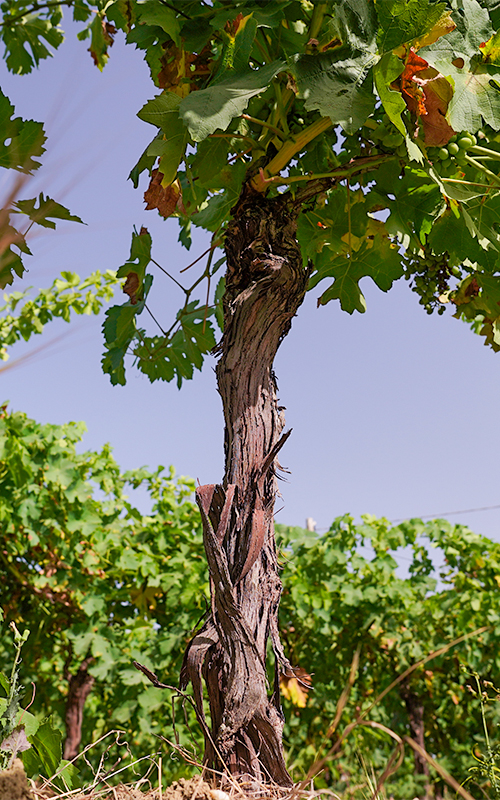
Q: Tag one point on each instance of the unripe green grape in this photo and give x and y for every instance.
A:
(443, 154)
(454, 138)
(453, 148)
(401, 150)
(464, 142)
(473, 138)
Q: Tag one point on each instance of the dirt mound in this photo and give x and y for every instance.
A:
(193, 789)
(183, 789)
(14, 783)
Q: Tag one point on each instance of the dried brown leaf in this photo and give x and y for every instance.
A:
(166, 199)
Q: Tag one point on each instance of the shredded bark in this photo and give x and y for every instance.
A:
(265, 285)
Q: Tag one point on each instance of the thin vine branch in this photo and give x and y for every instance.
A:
(261, 122)
(177, 10)
(154, 318)
(35, 7)
(170, 276)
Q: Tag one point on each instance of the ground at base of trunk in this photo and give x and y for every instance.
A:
(15, 786)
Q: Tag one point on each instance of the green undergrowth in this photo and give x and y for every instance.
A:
(99, 585)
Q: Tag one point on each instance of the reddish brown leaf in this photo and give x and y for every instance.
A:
(437, 95)
(109, 32)
(412, 93)
(427, 94)
(131, 286)
(472, 289)
(165, 199)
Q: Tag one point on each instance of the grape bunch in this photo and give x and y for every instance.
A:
(429, 274)
(453, 157)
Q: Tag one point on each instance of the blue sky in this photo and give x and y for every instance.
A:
(393, 412)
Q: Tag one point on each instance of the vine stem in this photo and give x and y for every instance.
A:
(264, 125)
(486, 151)
(482, 168)
(369, 163)
(290, 148)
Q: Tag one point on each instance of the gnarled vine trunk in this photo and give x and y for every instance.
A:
(80, 686)
(265, 285)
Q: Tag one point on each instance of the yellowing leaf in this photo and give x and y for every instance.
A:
(296, 687)
(293, 692)
(443, 26)
(490, 50)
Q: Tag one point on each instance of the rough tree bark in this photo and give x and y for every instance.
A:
(265, 285)
(415, 709)
(80, 686)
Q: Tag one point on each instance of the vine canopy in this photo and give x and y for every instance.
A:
(380, 119)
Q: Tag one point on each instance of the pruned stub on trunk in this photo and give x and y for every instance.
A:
(265, 285)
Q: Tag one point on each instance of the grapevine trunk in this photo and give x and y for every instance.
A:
(265, 285)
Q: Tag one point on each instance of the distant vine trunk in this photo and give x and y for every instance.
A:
(415, 709)
(265, 285)
(80, 686)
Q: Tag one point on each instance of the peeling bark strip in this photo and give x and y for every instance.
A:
(265, 285)
(80, 686)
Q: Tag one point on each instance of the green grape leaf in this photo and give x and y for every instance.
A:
(44, 756)
(237, 47)
(450, 234)
(162, 111)
(10, 264)
(417, 205)
(153, 13)
(378, 259)
(23, 36)
(170, 150)
(476, 96)
(146, 162)
(338, 87)
(198, 332)
(210, 158)
(139, 259)
(403, 21)
(354, 23)
(121, 12)
(385, 72)
(473, 29)
(483, 217)
(102, 33)
(478, 302)
(21, 141)
(216, 210)
(213, 108)
(46, 211)
(119, 329)
(163, 358)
